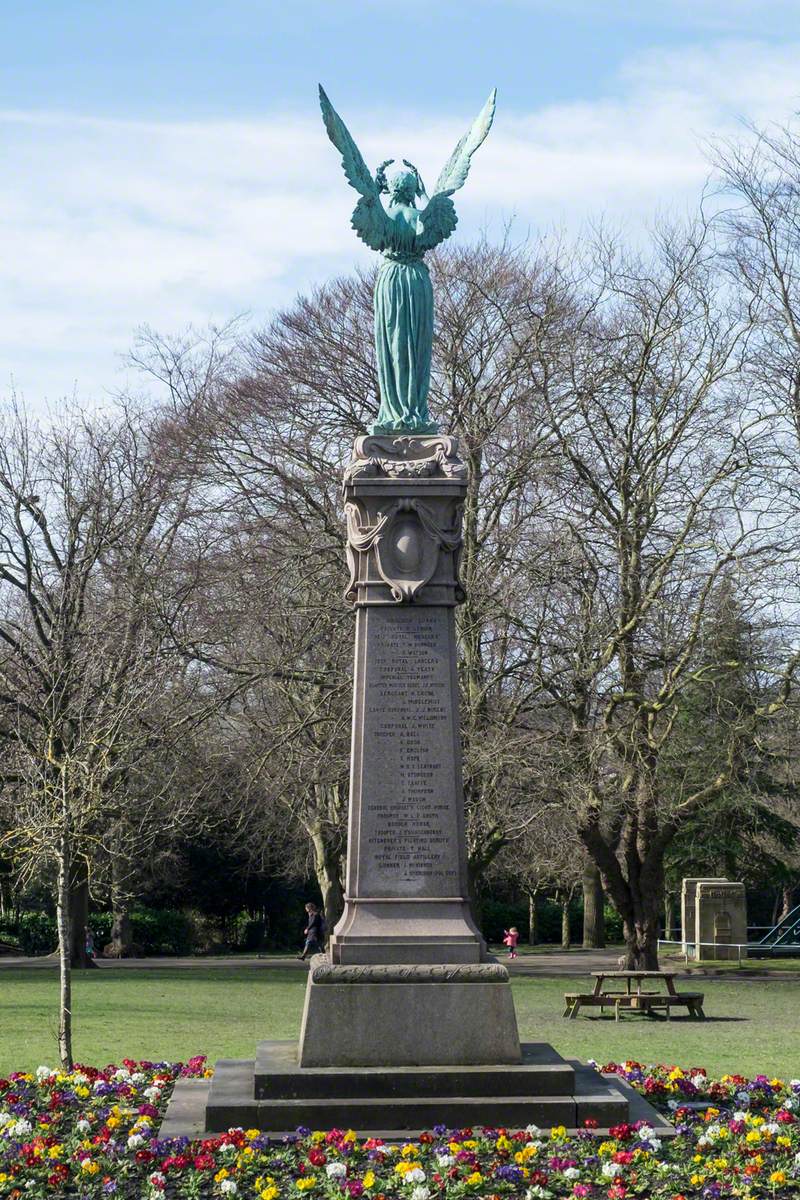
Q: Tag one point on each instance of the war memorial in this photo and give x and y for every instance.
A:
(407, 1021)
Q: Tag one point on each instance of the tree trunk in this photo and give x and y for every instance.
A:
(594, 933)
(327, 868)
(788, 899)
(79, 913)
(565, 941)
(64, 923)
(121, 942)
(669, 916)
(533, 920)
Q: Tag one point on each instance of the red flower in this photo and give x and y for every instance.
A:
(204, 1162)
(426, 1138)
(591, 1123)
(317, 1158)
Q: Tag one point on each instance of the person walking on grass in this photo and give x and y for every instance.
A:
(314, 931)
(511, 938)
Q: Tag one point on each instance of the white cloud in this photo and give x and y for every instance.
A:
(108, 224)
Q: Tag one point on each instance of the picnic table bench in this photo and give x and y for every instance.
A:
(638, 1000)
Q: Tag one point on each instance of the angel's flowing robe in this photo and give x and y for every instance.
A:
(403, 340)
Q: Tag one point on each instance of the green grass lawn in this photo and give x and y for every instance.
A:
(173, 1014)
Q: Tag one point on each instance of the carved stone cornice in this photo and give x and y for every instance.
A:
(324, 971)
(405, 458)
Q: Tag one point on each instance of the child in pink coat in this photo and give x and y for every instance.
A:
(511, 938)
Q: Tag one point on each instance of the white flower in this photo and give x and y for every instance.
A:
(773, 1127)
(5, 1119)
(532, 1130)
(536, 1193)
(673, 1104)
(419, 1193)
(228, 1187)
(704, 1141)
(415, 1176)
(794, 1083)
(20, 1128)
(739, 1115)
(43, 1073)
(158, 1181)
(743, 1098)
(790, 1104)
(445, 1160)
(228, 1148)
(654, 1143)
(138, 1077)
(153, 1094)
(83, 1126)
(335, 1170)
(120, 1075)
(611, 1169)
(571, 1173)
(135, 1141)
(79, 1079)
(699, 1081)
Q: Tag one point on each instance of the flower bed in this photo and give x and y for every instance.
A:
(90, 1133)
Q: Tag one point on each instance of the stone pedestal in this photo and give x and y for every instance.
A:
(720, 920)
(689, 906)
(406, 946)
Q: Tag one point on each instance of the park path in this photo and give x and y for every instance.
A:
(550, 964)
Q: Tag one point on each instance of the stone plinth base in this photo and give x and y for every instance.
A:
(276, 1095)
(408, 1016)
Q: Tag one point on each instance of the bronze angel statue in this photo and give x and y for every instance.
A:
(403, 233)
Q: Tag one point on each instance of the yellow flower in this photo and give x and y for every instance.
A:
(269, 1193)
(369, 1179)
(776, 1083)
(403, 1168)
(719, 1163)
(318, 1136)
(696, 1179)
(753, 1137)
(350, 1136)
(558, 1133)
(454, 1147)
(409, 1150)
(247, 1152)
(606, 1148)
(90, 1167)
(723, 1133)
(304, 1184)
(54, 1151)
(252, 1133)
(470, 1145)
(83, 1092)
(221, 1174)
(4, 1177)
(697, 1158)
(503, 1143)
(783, 1140)
(778, 1177)
(475, 1178)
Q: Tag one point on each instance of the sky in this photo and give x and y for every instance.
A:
(164, 161)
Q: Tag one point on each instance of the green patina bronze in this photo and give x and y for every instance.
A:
(403, 234)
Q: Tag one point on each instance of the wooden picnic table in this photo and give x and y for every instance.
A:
(637, 1000)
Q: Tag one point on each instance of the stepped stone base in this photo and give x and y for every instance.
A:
(273, 1093)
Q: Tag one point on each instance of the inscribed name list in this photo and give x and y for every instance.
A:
(409, 844)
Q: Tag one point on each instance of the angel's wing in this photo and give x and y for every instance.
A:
(355, 168)
(456, 169)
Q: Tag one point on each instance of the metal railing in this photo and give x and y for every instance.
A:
(690, 947)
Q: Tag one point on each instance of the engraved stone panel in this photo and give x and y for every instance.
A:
(409, 827)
